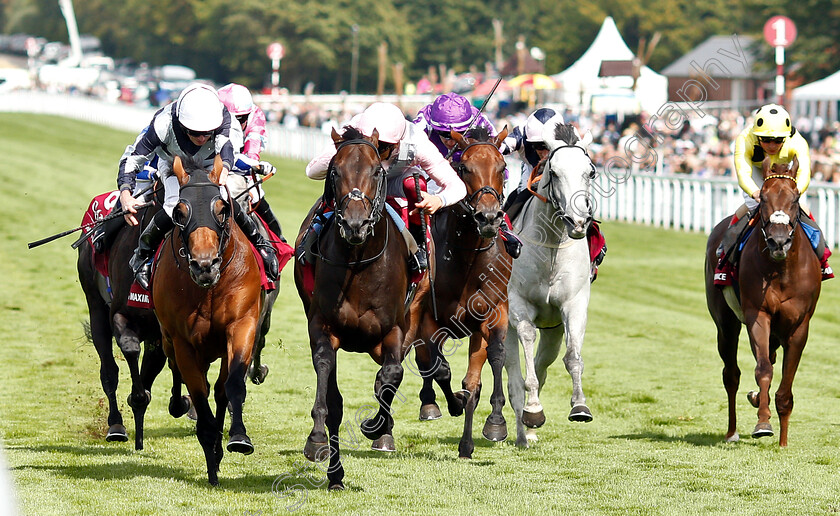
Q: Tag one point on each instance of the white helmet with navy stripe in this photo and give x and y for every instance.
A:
(199, 108)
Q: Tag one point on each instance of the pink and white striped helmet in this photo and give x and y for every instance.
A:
(237, 99)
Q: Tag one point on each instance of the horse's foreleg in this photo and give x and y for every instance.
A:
(495, 428)
(323, 360)
(728, 330)
(379, 428)
(139, 398)
(784, 395)
(758, 325)
(178, 405)
(516, 384)
(194, 374)
(427, 369)
(335, 413)
(532, 415)
(240, 348)
(472, 385)
(574, 319)
(221, 399)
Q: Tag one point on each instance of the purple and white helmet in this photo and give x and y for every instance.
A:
(450, 112)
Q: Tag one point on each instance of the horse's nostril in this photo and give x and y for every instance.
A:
(216, 261)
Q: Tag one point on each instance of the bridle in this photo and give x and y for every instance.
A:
(552, 196)
(221, 227)
(468, 204)
(376, 204)
(792, 222)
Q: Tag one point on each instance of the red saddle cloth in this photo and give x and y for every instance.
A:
(99, 207)
(596, 240)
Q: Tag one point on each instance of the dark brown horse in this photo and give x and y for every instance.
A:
(208, 299)
(111, 317)
(471, 277)
(357, 303)
(779, 279)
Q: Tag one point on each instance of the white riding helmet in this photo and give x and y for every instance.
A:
(199, 108)
(237, 99)
(537, 120)
(388, 119)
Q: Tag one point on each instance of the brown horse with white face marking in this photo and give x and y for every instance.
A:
(208, 297)
(471, 277)
(779, 280)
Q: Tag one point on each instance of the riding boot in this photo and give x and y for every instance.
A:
(264, 211)
(514, 204)
(150, 239)
(263, 246)
(820, 247)
(730, 238)
(513, 245)
(419, 262)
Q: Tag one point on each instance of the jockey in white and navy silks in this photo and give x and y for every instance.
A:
(450, 112)
(405, 148)
(195, 127)
(248, 136)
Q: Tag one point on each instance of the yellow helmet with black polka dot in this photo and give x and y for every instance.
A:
(772, 121)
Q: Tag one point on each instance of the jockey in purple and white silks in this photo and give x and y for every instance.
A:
(404, 149)
(195, 127)
(248, 137)
(453, 112)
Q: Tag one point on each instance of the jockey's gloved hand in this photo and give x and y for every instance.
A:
(266, 168)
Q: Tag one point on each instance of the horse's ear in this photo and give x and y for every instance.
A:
(336, 138)
(180, 173)
(374, 137)
(216, 173)
(501, 137)
(766, 167)
(586, 140)
(794, 166)
(459, 138)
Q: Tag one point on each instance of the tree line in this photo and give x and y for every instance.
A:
(225, 40)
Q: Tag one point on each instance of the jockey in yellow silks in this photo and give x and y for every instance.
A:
(771, 136)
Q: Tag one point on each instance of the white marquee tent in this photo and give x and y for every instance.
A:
(818, 98)
(583, 88)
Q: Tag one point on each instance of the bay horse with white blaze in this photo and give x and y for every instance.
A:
(779, 285)
(208, 298)
(472, 270)
(357, 301)
(550, 283)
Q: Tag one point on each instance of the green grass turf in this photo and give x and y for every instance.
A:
(652, 379)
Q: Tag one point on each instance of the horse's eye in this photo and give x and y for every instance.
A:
(221, 211)
(181, 215)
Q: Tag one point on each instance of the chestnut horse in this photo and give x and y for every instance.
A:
(779, 284)
(471, 277)
(357, 303)
(208, 299)
(112, 318)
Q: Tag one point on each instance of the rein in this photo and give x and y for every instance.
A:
(316, 251)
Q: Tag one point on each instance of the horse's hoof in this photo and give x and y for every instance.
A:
(461, 398)
(495, 432)
(116, 433)
(580, 413)
(338, 486)
(191, 413)
(734, 438)
(533, 419)
(522, 443)
(314, 450)
(384, 443)
(179, 406)
(258, 375)
(752, 397)
(762, 430)
(240, 444)
(430, 412)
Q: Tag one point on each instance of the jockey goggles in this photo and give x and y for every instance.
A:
(770, 139)
(197, 134)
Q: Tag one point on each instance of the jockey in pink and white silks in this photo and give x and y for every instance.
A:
(195, 127)
(248, 136)
(453, 112)
(404, 149)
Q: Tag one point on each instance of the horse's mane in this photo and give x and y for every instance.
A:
(567, 133)
(481, 134)
(351, 133)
